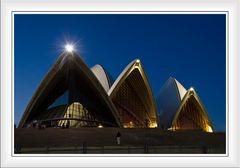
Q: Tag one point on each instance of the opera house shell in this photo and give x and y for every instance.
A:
(72, 95)
(132, 95)
(181, 109)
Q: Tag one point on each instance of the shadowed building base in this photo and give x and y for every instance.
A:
(103, 140)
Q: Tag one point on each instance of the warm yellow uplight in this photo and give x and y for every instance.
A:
(153, 125)
(125, 126)
(209, 129)
(100, 126)
(171, 129)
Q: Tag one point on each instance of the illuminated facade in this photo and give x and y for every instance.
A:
(192, 115)
(132, 95)
(181, 109)
(72, 95)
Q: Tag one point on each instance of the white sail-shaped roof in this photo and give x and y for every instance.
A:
(182, 91)
(71, 74)
(169, 100)
(135, 76)
(103, 77)
(192, 114)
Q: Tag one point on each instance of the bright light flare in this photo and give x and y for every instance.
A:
(153, 125)
(209, 128)
(100, 126)
(69, 48)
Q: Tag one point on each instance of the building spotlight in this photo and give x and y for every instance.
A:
(69, 48)
(100, 126)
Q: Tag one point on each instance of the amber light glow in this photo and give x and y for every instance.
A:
(100, 126)
(153, 125)
(209, 128)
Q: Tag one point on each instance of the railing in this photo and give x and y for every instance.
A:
(145, 149)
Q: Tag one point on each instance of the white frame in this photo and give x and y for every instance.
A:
(231, 159)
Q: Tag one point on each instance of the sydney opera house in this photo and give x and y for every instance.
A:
(72, 95)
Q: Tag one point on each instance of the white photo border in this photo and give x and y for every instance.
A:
(230, 159)
(118, 12)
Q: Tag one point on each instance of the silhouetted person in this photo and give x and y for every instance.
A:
(146, 123)
(118, 138)
(68, 124)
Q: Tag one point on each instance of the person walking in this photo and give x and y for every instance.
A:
(118, 138)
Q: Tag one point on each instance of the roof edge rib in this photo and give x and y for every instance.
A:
(63, 58)
(135, 64)
(189, 93)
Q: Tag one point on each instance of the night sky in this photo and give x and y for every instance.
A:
(189, 47)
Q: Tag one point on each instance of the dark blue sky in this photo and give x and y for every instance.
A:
(191, 48)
